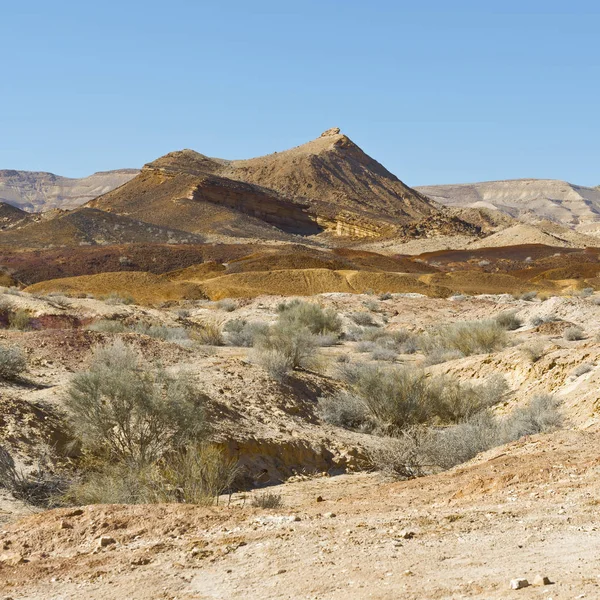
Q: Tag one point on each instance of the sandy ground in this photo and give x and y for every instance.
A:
(515, 512)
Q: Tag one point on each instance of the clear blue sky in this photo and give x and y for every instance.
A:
(438, 91)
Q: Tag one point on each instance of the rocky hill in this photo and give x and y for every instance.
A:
(529, 200)
(326, 185)
(37, 191)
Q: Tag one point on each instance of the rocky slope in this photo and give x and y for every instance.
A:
(327, 185)
(37, 191)
(528, 200)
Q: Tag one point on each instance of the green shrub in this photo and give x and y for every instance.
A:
(468, 337)
(285, 347)
(132, 414)
(509, 321)
(429, 449)
(20, 320)
(12, 362)
(310, 316)
(239, 332)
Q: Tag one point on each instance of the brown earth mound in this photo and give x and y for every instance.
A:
(474, 282)
(144, 288)
(307, 282)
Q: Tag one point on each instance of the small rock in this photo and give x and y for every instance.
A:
(320, 499)
(12, 559)
(518, 584)
(281, 572)
(106, 540)
(541, 580)
(405, 534)
(65, 525)
(330, 515)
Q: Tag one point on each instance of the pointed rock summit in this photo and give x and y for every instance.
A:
(330, 132)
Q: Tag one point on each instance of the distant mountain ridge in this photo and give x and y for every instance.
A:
(36, 191)
(528, 200)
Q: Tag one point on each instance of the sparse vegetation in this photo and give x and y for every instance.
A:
(239, 332)
(574, 334)
(534, 351)
(12, 362)
(267, 500)
(468, 337)
(20, 319)
(582, 369)
(364, 319)
(420, 450)
(227, 304)
(509, 321)
(116, 298)
(208, 333)
(299, 314)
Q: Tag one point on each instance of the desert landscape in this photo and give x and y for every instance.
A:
(294, 376)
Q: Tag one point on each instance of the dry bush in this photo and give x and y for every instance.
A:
(509, 321)
(12, 362)
(227, 304)
(371, 304)
(384, 354)
(346, 410)
(129, 413)
(20, 320)
(115, 298)
(534, 351)
(582, 369)
(363, 318)
(385, 296)
(285, 347)
(391, 399)
(428, 449)
(108, 326)
(161, 332)
(239, 332)
(468, 337)
(208, 333)
(267, 500)
(438, 356)
(574, 334)
(537, 321)
(40, 487)
(298, 314)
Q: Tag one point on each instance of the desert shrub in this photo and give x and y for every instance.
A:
(538, 320)
(596, 300)
(161, 332)
(363, 318)
(385, 296)
(527, 296)
(284, 347)
(439, 355)
(239, 332)
(509, 321)
(582, 369)
(12, 362)
(129, 413)
(327, 339)
(365, 347)
(384, 354)
(208, 333)
(396, 398)
(183, 313)
(457, 297)
(311, 316)
(430, 449)
(371, 304)
(107, 326)
(534, 351)
(19, 319)
(115, 298)
(468, 337)
(585, 292)
(227, 304)
(267, 500)
(573, 334)
(41, 487)
(346, 410)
